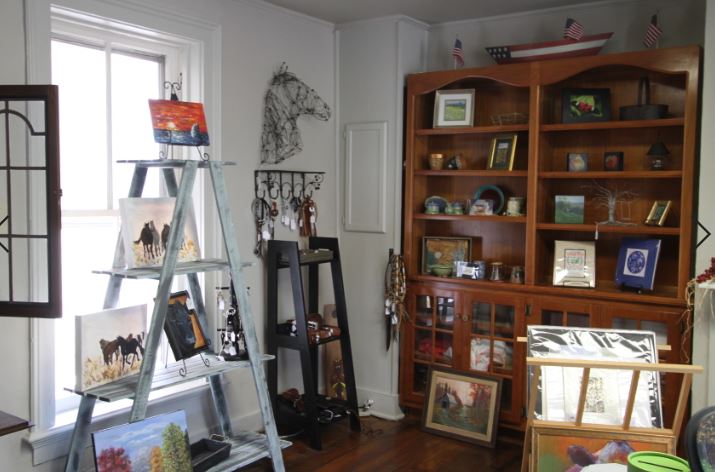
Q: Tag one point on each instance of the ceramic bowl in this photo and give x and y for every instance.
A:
(441, 270)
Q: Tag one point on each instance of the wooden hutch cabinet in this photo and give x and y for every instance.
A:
(473, 325)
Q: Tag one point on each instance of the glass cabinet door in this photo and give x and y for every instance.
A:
(559, 312)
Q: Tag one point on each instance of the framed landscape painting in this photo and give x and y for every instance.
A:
(462, 405)
(453, 108)
(557, 449)
(157, 443)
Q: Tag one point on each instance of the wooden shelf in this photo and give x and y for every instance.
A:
(472, 130)
(126, 387)
(493, 218)
(472, 173)
(204, 265)
(626, 174)
(591, 228)
(11, 423)
(246, 447)
(631, 124)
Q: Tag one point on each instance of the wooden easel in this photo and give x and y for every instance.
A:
(670, 434)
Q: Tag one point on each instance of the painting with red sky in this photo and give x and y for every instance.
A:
(181, 123)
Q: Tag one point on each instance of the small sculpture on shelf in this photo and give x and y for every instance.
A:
(658, 156)
(609, 198)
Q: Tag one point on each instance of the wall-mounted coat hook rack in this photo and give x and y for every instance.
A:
(286, 184)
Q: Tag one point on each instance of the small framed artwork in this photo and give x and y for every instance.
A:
(182, 328)
(559, 449)
(658, 212)
(444, 251)
(462, 406)
(575, 263)
(179, 123)
(501, 156)
(569, 209)
(613, 161)
(577, 162)
(161, 439)
(637, 261)
(453, 108)
(585, 105)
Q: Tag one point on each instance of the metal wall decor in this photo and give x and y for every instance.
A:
(288, 194)
(286, 99)
(29, 202)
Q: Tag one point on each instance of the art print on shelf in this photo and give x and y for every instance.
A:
(608, 389)
(577, 162)
(182, 328)
(501, 156)
(109, 345)
(569, 209)
(180, 123)
(585, 105)
(444, 251)
(658, 213)
(453, 108)
(462, 406)
(613, 161)
(575, 263)
(637, 261)
(157, 443)
(567, 449)
(146, 223)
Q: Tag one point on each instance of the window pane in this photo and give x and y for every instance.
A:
(80, 73)
(135, 80)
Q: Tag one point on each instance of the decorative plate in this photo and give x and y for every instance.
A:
(484, 189)
(437, 200)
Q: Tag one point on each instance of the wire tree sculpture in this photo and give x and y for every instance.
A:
(287, 98)
(609, 199)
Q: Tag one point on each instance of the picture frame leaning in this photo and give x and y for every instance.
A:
(462, 405)
(453, 108)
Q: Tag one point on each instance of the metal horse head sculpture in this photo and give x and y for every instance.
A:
(287, 98)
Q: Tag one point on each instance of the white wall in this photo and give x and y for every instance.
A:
(254, 39)
(374, 57)
(682, 22)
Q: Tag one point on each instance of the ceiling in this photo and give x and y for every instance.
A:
(428, 11)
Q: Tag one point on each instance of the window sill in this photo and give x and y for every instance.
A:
(55, 442)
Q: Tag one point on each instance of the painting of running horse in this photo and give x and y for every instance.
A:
(109, 345)
(146, 224)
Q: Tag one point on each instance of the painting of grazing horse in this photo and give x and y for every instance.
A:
(147, 240)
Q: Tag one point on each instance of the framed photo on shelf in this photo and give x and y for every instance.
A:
(182, 328)
(444, 251)
(453, 108)
(501, 155)
(569, 209)
(585, 105)
(575, 263)
(613, 161)
(658, 212)
(607, 394)
(637, 261)
(577, 162)
(462, 405)
(557, 448)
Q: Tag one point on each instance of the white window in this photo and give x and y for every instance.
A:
(106, 70)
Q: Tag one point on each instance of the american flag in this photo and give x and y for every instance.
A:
(652, 33)
(457, 53)
(573, 29)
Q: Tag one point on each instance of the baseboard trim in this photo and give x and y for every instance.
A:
(385, 405)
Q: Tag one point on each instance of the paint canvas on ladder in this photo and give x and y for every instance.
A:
(109, 345)
(146, 223)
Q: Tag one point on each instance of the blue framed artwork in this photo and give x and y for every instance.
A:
(637, 261)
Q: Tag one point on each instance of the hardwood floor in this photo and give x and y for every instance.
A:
(390, 446)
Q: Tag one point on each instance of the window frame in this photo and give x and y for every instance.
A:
(200, 41)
